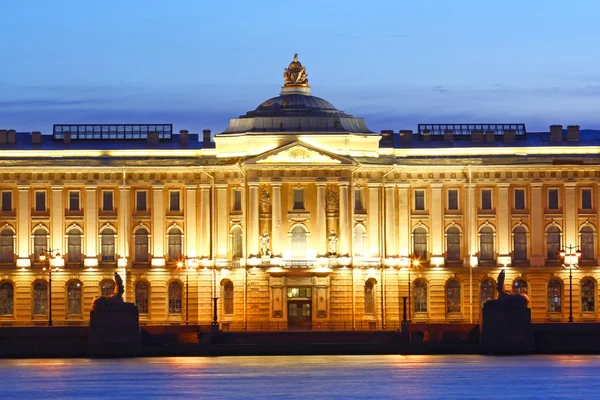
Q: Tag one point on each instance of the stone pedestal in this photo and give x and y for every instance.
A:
(507, 328)
(114, 331)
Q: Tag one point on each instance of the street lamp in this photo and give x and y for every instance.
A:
(570, 260)
(185, 265)
(47, 255)
(414, 263)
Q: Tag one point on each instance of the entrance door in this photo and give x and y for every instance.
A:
(299, 314)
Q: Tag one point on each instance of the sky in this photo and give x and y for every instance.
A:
(198, 63)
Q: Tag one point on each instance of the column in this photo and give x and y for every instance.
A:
(536, 233)
(390, 221)
(503, 213)
(205, 222)
(252, 230)
(437, 221)
(570, 231)
(158, 224)
(23, 229)
(276, 247)
(471, 226)
(404, 220)
(373, 219)
(124, 233)
(344, 234)
(57, 234)
(190, 221)
(321, 222)
(222, 222)
(90, 229)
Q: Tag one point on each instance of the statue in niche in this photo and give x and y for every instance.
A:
(295, 74)
(265, 197)
(332, 244)
(505, 297)
(113, 300)
(265, 244)
(332, 198)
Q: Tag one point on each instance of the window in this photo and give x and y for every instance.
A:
(7, 251)
(520, 243)
(6, 201)
(107, 287)
(40, 201)
(142, 294)
(7, 303)
(419, 200)
(486, 244)
(141, 245)
(486, 199)
(174, 200)
(453, 296)
(359, 241)
(453, 199)
(74, 246)
(175, 294)
(587, 243)
(369, 297)
(140, 200)
(420, 243)
(74, 298)
(107, 244)
(552, 243)
(299, 292)
(519, 199)
(237, 251)
(298, 199)
(298, 242)
(174, 240)
(453, 244)
(486, 291)
(358, 205)
(554, 296)
(520, 286)
(40, 242)
(588, 295)
(228, 297)
(40, 298)
(107, 200)
(420, 296)
(73, 201)
(553, 199)
(586, 199)
(237, 200)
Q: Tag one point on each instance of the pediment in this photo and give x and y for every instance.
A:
(299, 153)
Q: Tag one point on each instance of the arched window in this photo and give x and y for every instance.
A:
(453, 296)
(40, 242)
(587, 243)
(420, 243)
(74, 298)
(175, 295)
(420, 296)
(7, 294)
(298, 242)
(359, 241)
(453, 244)
(486, 291)
(74, 246)
(107, 245)
(588, 295)
(228, 297)
(142, 294)
(486, 244)
(7, 250)
(554, 296)
(520, 243)
(107, 287)
(370, 297)
(40, 298)
(520, 286)
(552, 243)
(236, 243)
(141, 245)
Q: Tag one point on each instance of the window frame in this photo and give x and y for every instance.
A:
(591, 199)
(37, 199)
(483, 198)
(143, 304)
(139, 192)
(78, 199)
(236, 200)
(174, 302)
(515, 199)
(298, 200)
(4, 208)
(549, 199)
(178, 207)
(550, 300)
(457, 199)
(106, 192)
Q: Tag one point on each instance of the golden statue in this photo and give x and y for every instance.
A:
(295, 74)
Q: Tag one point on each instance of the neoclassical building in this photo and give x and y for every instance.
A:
(297, 216)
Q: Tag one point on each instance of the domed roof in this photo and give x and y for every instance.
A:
(296, 102)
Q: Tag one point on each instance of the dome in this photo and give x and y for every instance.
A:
(296, 102)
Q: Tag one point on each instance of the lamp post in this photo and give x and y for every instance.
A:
(46, 255)
(414, 263)
(570, 255)
(184, 264)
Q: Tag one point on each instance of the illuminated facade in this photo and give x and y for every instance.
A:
(297, 216)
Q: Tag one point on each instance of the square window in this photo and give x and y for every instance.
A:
(453, 199)
(486, 199)
(519, 199)
(140, 200)
(298, 199)
(107, 200)
(586, 199)
(237, 200)
(6, 201)
(174, 197)
(40, 201)
(419, 200)
(553, 199)
(74, 201)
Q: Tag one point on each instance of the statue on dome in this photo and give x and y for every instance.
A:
(295, 73)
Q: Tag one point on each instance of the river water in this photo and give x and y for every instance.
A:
(305, 377)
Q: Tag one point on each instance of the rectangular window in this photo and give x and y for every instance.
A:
(6, 201)
(74, 201)
(453, 199)
(140, 200)
(486, 199)
(237, 200)
(553, 199)
(586, 199)
(358, 206)
(419, 200)
(519, 199)
(40, 201)
(298, 199)
(174, 197)
(107, 200)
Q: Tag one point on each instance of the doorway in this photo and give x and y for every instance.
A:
(299, 308)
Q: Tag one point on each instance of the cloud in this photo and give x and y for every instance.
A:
(440, 89)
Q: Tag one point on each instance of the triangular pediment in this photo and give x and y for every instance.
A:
(299, 153)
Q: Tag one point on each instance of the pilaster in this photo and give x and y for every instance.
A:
(321, 222)
(404, 224)
(252, 229)
(57, 218)
(190, 221)
(390, 220)
(345, 229)
(158, 221)
(537, 236)
(276, 247)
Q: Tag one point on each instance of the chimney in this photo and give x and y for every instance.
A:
(426, 135)
(12, 136)
(152, 137)
(556, 134)
(184, 137)
(509, 135)
(573, 133)
(206, 136)
(3, 136)
(448, 136)
(489, 136)
(386, 136)
(406, 136)
(36, 137)
(67, 137)
(477, 136)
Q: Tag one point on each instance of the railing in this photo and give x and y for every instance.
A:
(293, 263)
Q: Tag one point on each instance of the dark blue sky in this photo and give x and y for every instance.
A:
(198, 63)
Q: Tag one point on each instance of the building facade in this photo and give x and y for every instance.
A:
(297, 216)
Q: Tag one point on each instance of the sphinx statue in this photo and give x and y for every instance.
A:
(112, 300)
(507, 298)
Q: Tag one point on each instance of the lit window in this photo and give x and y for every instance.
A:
(453, 199)
(588, 295)
(174, 200)
(586, 199)
(369, 297)
(107, 200)
(298, 199)
(6, 299)
(74, 298)
(107, 241)
(519, 199)
(453, 244)
(73, 201)
(142, 294)
(420, 296)
(175, 294)
(40, 201)
(486, 244)
(141, 245)
(107, 287)
(520, 244)
(520, 286)
(6, 201)
(419, 200)
(452, 296)
(486, 291)
(7, 250)
(298, 243)
(228, 297)
(587, 243)
(40, 298)
(553, 199)
(420, 243)
(554, 296)
(486, 199)
(359, 241)
(74, 246)
(40, 242)
(140, 200)
(174, 241)
(552, 243)
(236, 243)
